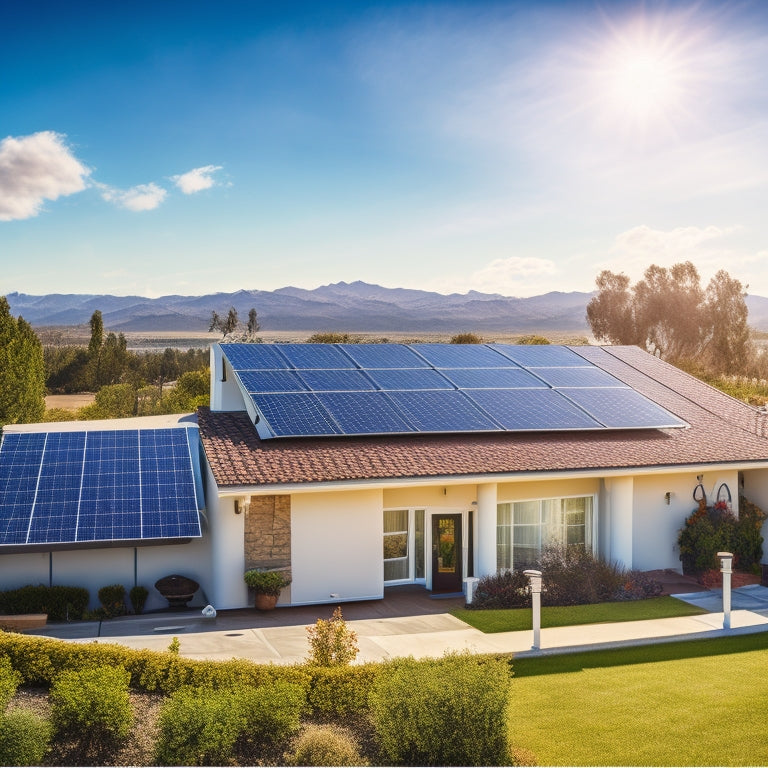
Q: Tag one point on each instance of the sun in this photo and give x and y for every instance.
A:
(643, 80)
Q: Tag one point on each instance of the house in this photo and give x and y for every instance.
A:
(357, 467)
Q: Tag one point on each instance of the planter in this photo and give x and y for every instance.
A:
(264, 602)
(177, 590)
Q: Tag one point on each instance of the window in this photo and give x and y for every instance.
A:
(524, 527)
(403, 544)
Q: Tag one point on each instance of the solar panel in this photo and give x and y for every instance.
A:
(431, 388)
(532, 409)
(492, 378)
(109, 485)
(577, 377)
(540, 355)
(361, 413)
(622, 408)
(442, 411)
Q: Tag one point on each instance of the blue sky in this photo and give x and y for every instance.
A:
(513, 148)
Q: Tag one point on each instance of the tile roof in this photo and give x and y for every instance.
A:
(723, 430)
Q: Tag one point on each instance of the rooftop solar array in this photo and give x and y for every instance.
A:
(60, 488)
(302, 390)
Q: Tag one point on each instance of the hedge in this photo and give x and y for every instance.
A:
(60, 603)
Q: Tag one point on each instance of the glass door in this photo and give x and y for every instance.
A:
(446, 553)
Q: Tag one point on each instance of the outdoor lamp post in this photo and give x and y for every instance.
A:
(535, 583)
(726, 562)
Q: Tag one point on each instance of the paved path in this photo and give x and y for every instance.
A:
(231, 634)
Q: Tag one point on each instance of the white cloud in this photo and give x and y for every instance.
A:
(36, 168)
(143, 197)
(513, 276)
(197, 179)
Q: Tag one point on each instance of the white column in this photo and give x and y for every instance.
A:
(620, 491)
(726, 561)
(486, 529)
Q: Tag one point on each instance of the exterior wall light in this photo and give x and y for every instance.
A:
(242, 504)
(668, 497)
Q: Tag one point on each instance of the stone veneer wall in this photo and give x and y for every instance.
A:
(268, 532)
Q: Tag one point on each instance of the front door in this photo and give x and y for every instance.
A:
(446, 553)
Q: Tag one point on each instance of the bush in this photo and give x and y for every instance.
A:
(9, 682)
(60, 603)
(24, 738)
(340, 691)
(638, 586)
(324, 745)
(202, 726)
(92, 705)
(112, 599)
(138, 597)
(748, 541)
(502, 590)
(453, 711)
(266, 582)
(331, 642)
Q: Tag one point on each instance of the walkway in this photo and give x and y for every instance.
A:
(280, 636)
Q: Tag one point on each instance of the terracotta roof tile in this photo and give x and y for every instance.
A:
(722, 430)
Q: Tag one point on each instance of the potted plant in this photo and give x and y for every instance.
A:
(267, 586)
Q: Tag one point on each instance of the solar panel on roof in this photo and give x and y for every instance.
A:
(65, 488)
(292, 403)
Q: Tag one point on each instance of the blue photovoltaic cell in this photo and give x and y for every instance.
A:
(442, 411)
(364, 413)
(110, 506)
(169, 502)
(20, 457)
(492, 378)
(577, 377)
(533, 355)
(413, 379)
(248, 357)
(461, 356)
(336, 381)
(315, 356)
(622, 408)
(71, 487)
(532, 409)
(297, 414)
(383, 356)
(58, 493)
(271, 381)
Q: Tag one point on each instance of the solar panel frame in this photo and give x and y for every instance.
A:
(271, 381)
(618, 408)
(364, 413)
(249, 357)
(443, 411)
(312, 356)
(303, 409)
(19, 474)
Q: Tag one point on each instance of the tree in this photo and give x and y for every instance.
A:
(22, 370)
(253, 322)
(225, 325)
(97, 334)
(669, 314)
(466, 338)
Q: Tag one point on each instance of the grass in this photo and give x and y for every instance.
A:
(684, 703)
(514, 619)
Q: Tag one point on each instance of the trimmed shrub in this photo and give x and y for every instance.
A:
(201, 726)
(324, 745)
(453, 711)
(331, 642)
(10, 680)
(342, 690)
(138, 597)
(92, 706)
(112, 599)
(502, 590)
(574, 576)
(24, 738)
(638, 585)
(60, 603)
(748, 540)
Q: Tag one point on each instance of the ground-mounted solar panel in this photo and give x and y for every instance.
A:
(442, 411)
(336, 381)
(577, 377)
(540, 355)
(76, 487)
(532, 410)
(462, 356)
(622, 408)
(271, 381)
(409, 379)
(433, 389)
(364, 413)
(308, 356)
(492, 378)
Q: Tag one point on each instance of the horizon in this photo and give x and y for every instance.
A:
(506, 148)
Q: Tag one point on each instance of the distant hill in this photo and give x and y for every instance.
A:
(342, 306)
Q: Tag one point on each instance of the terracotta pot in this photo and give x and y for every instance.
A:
(265, 602)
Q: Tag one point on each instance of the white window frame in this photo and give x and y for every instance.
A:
(411, 556)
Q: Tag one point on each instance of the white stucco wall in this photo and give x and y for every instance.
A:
(336, 546)
(225, 395)
(617, 513)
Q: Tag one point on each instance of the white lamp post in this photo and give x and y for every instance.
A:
(535, 581)
(726, 561)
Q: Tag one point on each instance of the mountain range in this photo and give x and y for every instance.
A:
(349, 307)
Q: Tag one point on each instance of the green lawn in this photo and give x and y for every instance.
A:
(512, 619)
(699, 702)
